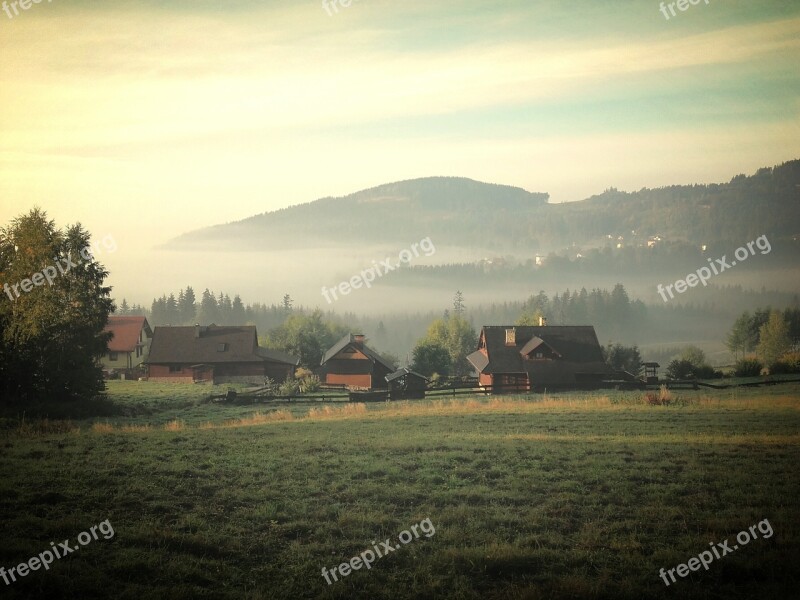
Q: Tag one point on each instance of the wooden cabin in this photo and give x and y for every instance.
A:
(533, 358)
(350, 362)
(215, 354)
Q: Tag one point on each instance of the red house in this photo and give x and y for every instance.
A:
(524, 358)
(218, 354)
(352, 364)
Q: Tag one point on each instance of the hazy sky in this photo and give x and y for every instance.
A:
(146, 119)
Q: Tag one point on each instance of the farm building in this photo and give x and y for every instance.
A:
(405, 384)
(129, 345)
(218, 354)
(525, 358)
(350, 362)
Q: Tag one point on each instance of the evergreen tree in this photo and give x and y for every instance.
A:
(238, 315)
(187, 307)
(171, 314)
(208, 312)
(458, 303)
(51, 338)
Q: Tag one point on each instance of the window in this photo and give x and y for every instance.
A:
(175, 369)
(222, 347)
(511, 337)
(113, 356)
(539, 355)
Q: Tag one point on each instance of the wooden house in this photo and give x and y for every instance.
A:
(405, 384)
(218, 354)
(534, 358)
(129, 345)
(350, 362)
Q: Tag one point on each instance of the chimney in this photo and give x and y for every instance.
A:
(542, 322)
(358, 339)
(197, 330)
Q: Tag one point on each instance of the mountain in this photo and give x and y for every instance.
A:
(462, 212)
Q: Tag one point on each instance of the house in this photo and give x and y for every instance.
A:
(218, 354)
(351, 363)
(405, 384)
(524, 358)
(128, 347)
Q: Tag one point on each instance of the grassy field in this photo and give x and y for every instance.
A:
(563, 496)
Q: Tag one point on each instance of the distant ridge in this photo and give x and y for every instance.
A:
(458, 211)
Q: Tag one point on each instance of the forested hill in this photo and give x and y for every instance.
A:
(462, 212)
(444, 208)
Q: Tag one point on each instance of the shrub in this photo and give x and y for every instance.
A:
(680, 369)
(290, 387)
(302, 373)
(706, 372)
(685, 369)
(789, 363)
(747, 367)
(310, 383)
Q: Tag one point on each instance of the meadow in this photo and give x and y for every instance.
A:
(556, 496)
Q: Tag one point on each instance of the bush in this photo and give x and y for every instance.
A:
(290, 387)
(685, 369)
(680, 369)
(789, 363)
(747, 367)
(706, 372)
(309, 384)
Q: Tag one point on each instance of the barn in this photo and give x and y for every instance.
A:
(218, 354)
(533, 358)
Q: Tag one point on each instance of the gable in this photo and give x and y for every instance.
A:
(350, 353)
(129, 332)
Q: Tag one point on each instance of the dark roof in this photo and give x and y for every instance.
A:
(277, 356)
(183, 345)
(126, 332)
(349, 339)
(404, 371)
(576, 344)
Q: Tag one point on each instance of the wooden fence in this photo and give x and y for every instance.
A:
(262, 395)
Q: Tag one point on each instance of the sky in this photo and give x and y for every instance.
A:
(146, 119)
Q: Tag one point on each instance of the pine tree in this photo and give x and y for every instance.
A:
(458, 303)
(187, 307)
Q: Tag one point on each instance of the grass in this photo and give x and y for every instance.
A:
(544, 496)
